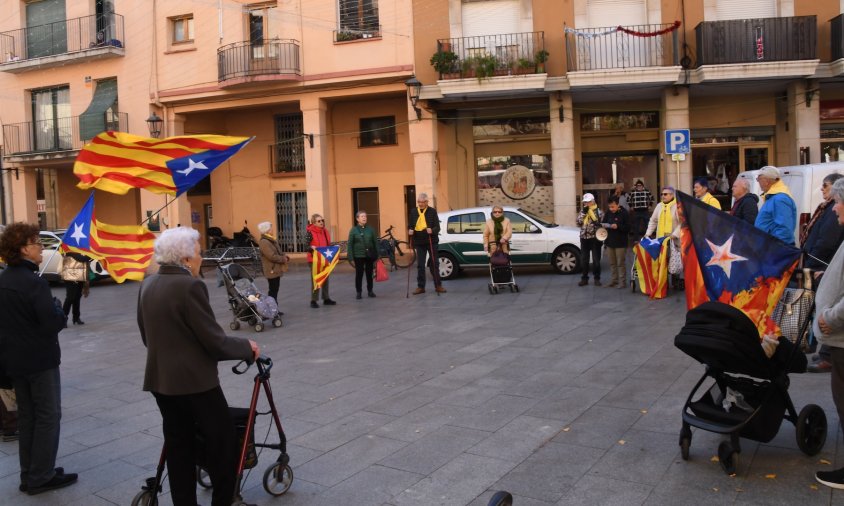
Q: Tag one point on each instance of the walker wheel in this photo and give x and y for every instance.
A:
(632, 287)
(145, 498)
(235, 325)
(501, 498)
(516, 287)
(489, 286)
(259, 327)
(512, 289)
(277, 322)
(277, 479)
(728, 458)
(202, 478)
(495, 289)
(811, 429)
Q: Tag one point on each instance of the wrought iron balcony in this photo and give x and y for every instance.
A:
(62, 37)
(622, 47)
(837, 36)
(757, 40)
(490, 55)
(59, 134)
(287, 157)
(245, 61)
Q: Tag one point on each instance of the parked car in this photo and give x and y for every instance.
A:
(51, 264)
(534, 242)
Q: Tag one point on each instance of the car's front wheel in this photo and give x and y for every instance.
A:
(448, 266)
(566, 260)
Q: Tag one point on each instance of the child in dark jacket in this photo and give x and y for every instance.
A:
(617, 223)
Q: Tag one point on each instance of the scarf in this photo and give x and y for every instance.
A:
(498, 227)
(815, 216)
(590, 214)
(666, 223)
(421, 224)
(269, 236)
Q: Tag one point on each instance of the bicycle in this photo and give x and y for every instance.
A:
(400, 254)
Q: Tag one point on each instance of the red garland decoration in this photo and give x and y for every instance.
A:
(675, 26)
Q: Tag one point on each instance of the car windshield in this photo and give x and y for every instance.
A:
(536, 218)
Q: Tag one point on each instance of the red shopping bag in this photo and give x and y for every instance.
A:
(381, 273)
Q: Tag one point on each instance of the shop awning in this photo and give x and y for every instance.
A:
(93, 120)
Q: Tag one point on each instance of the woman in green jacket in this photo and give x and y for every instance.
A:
(362, 251)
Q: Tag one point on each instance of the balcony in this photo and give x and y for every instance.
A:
(490, 55)
(783, 47)
(61, 43)
(52, 139)
(245, 62)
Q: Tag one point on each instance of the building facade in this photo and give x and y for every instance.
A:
(522, 102)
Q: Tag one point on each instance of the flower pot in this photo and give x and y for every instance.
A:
(540, 68)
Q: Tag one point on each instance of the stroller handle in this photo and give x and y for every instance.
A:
(264, 362)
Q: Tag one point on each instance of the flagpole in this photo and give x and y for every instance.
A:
(157, 212)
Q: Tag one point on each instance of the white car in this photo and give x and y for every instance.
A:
(51, 262)
(534, 242)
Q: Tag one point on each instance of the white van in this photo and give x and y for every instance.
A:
(804, 182)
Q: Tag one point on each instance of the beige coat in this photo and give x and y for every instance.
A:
(273, 260)
(489, 232)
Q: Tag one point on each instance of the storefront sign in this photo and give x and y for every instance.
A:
(41, 206)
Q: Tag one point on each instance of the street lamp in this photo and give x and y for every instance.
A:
(154, 124)
(414, 88)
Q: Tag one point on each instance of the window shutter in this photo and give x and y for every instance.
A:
(604, 13)
(745, 9)
(493, 17)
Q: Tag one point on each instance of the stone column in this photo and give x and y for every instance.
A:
(315, 122)
(562, 159)
(22, 188)
(804, 121)
(675, 115)
(423, 148)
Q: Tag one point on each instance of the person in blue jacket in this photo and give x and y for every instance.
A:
(778, 215)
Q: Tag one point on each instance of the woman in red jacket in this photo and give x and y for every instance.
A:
(317, 238)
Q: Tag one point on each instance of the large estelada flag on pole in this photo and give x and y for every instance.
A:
(117, 162)
(325, 259)
(728, 260)
(651, 260)
(125, 251)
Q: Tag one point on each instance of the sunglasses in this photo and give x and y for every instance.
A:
(320, 221)
(664, 194)
(498, 212)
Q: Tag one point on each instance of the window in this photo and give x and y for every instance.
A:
(182, 28)
(51, 121)
(378, 131)
(470, 223)
(358, 19)
(289, 143)
(263, 27)
(520, 224)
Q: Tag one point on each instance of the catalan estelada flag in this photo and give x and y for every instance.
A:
(652, 266)
(325, 259)
(728, 260)
(125, 251)
(116, 162)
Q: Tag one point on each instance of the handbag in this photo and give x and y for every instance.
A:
(792, 311)
(381, 273)
(675, 261)
(73, 269)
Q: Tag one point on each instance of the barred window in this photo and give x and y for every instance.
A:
(378, 131)
(358, 17)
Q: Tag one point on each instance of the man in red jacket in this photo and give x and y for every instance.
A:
(317, 238)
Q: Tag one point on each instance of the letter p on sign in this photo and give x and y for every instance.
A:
(677, 141)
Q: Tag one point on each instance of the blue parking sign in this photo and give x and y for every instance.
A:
(677, 142)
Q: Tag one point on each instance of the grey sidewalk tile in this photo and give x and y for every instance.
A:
(374, 485)
(495, 413)
(335, 466)
(599, 427)
(460, 376)
(336, 389)
(406, 401)
(792, 478)
(456, 483)
(117, 430)
(342, 431)
(635, 393)
(112, 450)
(664, 415)
(592, 490)
(567, 403)
(419, 422)
(518, 439)
(518, 500)
(301, 493)
(431, 452)
(542, 384)
(643, 458)
(336, 409)
(550, 472)
(469, 396)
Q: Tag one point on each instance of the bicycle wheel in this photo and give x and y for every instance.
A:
(405, 254)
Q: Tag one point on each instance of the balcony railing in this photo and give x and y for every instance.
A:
(60, 134)
(287, 157)
(837, 36)
(490, 55)
(245, 59)
(622, 47)
(62, 37)
(757, 40)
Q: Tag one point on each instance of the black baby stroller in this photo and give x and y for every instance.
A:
(246, 302)
(501, 271)
(277, 478)
(748, 396)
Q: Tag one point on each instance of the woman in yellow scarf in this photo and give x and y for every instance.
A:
(589, 221)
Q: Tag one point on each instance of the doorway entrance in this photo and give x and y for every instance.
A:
(721, 163)
(366, 199)
(601, 171)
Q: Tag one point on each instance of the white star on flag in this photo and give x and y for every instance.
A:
(77, 234)
(191, 166)
(328, 254)
(723, 257)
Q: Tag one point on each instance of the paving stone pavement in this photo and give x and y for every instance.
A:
(563, 395)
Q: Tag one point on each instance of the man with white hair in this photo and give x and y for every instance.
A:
(424, 232)
(778, 216)
(745, 206)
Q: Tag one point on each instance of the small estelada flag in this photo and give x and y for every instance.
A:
(325, 259)
(652, 266)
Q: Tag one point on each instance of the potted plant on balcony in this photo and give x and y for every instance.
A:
(467, 66)
(445, 62)
(485, 66)
(525, 66)
(540, 58)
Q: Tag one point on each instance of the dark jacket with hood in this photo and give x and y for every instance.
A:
(746, 208)
(823, 240)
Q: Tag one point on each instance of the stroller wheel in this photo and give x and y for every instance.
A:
(490, 288)
(516, 287)
(277, 322)
(235, 325)
(259, 327)
(728, 458)
(277, 479)
(145, 498)
(202, 478)
(811, 429)
(501, 498)
(512, 289)
(684, 447)
(253, 321)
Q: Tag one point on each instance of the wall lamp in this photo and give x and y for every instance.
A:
(414, 88)
(154, 124)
